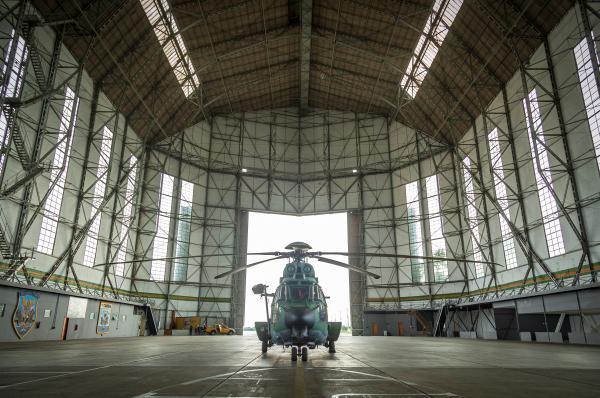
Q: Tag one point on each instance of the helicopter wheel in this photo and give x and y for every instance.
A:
(304, 354)
(332, 347)
(264, 346)
(294, 353)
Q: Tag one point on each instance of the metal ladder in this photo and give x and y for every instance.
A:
(5, 246)
(34, 55)
(153, 329)
(17, 139)
(438, 328)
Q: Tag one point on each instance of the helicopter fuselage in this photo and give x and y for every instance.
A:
(299, 308)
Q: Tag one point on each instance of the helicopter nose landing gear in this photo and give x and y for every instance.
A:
(303, 351)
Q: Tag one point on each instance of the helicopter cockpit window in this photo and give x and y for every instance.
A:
(318, 293)
(299, 293)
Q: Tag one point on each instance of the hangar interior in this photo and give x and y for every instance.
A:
(136, 136)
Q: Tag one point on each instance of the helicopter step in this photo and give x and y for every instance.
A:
(299, 350)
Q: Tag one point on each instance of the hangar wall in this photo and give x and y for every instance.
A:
(32, 122)
(53, 308)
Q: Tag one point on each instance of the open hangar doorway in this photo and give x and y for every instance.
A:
(273, 232)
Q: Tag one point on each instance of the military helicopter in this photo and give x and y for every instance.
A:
(299, 307)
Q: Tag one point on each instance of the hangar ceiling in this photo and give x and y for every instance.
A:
(262, 54)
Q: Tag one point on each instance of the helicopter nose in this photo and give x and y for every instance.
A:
(299, 319)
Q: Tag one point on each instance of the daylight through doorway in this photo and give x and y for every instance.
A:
(273, 232)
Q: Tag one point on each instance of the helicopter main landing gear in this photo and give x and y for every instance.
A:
(332, 347)
(303, 351)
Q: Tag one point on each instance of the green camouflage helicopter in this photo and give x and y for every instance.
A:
(299, 307)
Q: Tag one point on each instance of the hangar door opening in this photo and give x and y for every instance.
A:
(273, 232)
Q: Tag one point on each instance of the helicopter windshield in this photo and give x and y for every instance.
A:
(299, 292)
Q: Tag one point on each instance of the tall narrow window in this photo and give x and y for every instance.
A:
(126, 217)
(589, 89)
(165, 28)
(472, 217)
(510, 254)
(438, 245)
(163, 225)
(182, 245)
(543, 177)
(58, 175)
(415, 236)
(89, 256)
(436, 28)
(13, 79)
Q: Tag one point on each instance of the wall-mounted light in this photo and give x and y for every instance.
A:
(244, 170)
(355, 170)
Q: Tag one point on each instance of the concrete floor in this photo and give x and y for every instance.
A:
(232, 366)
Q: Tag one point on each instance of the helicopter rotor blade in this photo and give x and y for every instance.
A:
(161, 259)
(245, 267)
(408, 256)
(347, 266)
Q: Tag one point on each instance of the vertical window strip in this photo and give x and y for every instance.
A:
(415, 236)
(548, 204)
(91, 244)
(589, 89)
(510, 255)
(14, 78)
(436, 28)
(163, 225)
(438, 246)
(126, 217)
(182, 245)
(58, 175)
(472, 217)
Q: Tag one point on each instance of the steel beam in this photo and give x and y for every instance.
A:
(306, 7)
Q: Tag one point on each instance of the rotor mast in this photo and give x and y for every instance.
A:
(300, 250)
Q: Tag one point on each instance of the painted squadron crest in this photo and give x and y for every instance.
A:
(25, 314)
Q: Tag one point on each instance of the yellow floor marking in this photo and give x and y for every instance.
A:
(299, 380)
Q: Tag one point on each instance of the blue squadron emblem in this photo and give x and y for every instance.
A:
(25, 313)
